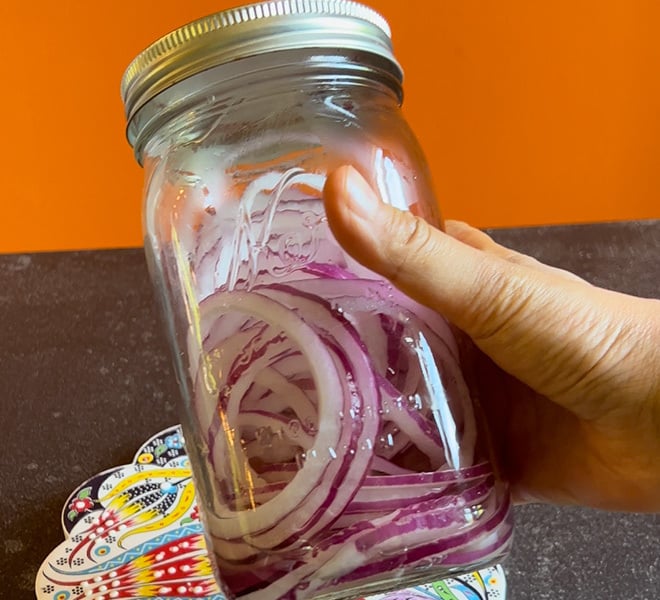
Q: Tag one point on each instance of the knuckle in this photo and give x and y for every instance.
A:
(500, 300)
(519, 259)
(530, 262)
(409, 238)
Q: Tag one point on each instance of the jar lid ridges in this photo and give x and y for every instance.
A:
(170, 55)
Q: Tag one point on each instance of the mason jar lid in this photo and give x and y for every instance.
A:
(249, 30)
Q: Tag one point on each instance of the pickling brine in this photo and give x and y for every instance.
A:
(352, 450)
(335, 441)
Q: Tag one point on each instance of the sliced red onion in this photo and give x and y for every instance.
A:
(354, 451)
(329, 386)
(285, 394)
(340, 384)
(439, 550)
(412, 480)
(383, 466)
(413, 425)
(257, 419)
(336, 559)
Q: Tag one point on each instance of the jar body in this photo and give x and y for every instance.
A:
(335, 445)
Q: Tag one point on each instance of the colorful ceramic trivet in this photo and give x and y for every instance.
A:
(134, 532)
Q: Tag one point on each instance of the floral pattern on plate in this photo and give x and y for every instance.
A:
(134, 532)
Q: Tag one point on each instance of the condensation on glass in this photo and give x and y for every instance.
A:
(335, 443)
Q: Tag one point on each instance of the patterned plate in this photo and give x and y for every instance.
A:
(134, 532)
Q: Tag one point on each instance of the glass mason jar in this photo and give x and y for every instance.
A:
(334, 442)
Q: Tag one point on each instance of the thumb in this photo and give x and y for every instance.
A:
(477, 291)
(533, 323)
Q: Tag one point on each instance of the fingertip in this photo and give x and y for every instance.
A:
(335, 198)
(345, 195)
(335, 184)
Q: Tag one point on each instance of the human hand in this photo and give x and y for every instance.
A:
(568, 373)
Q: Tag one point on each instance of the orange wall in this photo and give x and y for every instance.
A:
(530, 112)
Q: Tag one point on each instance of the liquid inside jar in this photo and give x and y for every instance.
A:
(340, 434)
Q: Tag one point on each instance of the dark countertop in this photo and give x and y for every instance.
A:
(85, 378)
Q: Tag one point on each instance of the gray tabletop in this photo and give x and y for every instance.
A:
(85, 378)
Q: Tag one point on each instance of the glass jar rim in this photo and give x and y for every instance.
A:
(249, 30)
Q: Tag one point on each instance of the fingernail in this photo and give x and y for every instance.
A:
(362, 200)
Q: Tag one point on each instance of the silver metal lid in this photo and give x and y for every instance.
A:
(250, 30)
